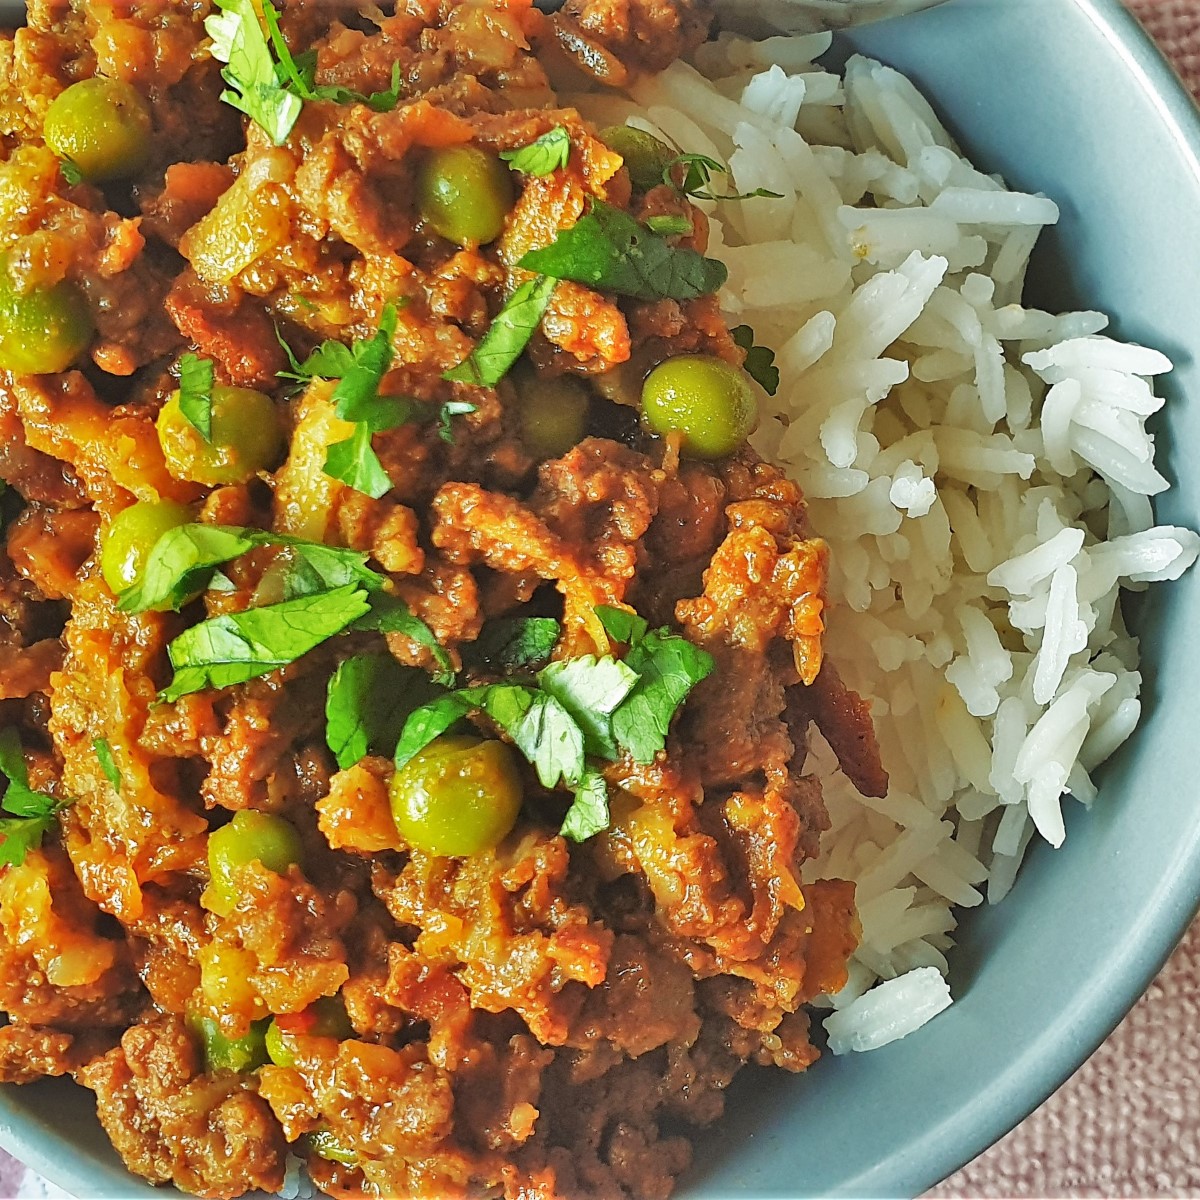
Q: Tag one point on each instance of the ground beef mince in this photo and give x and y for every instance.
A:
(404, 738)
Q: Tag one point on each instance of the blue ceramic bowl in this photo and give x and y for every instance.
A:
(1066, 97)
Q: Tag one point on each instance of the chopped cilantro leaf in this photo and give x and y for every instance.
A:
(359, 370)
(298, 79)
(588, 814)
(108, 765)
(183, 562)
(298, 576)
(449, 410)
(387, 100)
(507, 336)
(12, 760)
(697, 173)
(668, 223)
(539, 726)
(590, 689)
(430, 721)
(543, 156)
(19, 835)
(622, 624)
(358, 386)
(296, 372)
(697, 179)
(302, 78)
(607, 249)
(23, 802)
(514, 644)
(390, 614)
(581, 708)
(270, 88)
(325, 567)
(355, 463)
(668, 667)
(180, 565)
(368, 700)
(255, 89)
(68, 168)
(32, 812)
(546, 733)
(236, 647)
(196, 393)
(330, 360)
(760, 360)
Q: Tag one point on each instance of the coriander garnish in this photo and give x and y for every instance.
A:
(579, 710)
(507, 336)
(182, 562)
(236, 647)
(108, 765)
(669, 224)
(514, 644)
(196, 393)
(367, 702)
(328, 588)
(543, 156)
(355, 463)
(697, 179)
(255, 89)
(609, 250)
(759, 363)
(270, 88)
(32, 813)
(359, 369)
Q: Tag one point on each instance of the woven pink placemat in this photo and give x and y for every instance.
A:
(1127, 1124)
(1175, 25)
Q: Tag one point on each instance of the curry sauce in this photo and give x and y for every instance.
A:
(468, 863)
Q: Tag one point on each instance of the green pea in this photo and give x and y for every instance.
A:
(247, 437)
(126, 543)
(44, 329)
(646, 157)
(250, 837)
(707, 400)
(323, 1144)
(279, 1049)
(222, 1053)
(326, 1017)
(458, 796)
(464, 194)
(101, 125)
(553, 411)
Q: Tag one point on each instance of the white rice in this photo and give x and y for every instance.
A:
(980, 469)
(889, 1011)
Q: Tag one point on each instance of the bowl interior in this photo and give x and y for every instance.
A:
(1065, 97)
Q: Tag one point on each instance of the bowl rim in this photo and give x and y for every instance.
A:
(1171, 905)
(1176, 897)
(1173, 902)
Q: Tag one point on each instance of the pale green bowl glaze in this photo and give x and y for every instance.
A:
(1066, 97)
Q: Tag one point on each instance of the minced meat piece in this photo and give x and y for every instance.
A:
(417, 536)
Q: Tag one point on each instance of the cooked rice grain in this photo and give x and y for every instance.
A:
(981, 470)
